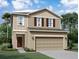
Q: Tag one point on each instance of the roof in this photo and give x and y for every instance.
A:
(24, 12)
(29, 12)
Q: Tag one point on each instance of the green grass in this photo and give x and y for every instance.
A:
(16, 55)
(75, 48)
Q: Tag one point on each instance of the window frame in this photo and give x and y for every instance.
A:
(20, 20)
(38, 21)
(50, 22)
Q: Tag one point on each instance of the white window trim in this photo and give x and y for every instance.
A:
(37, 23)
(22, 21)
(50, 22)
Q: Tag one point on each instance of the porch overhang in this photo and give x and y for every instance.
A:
(34, 29)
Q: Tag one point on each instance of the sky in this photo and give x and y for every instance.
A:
(57, 6)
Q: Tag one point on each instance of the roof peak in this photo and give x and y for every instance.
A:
(31, 11)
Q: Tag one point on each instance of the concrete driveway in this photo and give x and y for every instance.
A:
(61, 54)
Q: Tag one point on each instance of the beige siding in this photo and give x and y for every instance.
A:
(18, 27)
(14, 41)
(31, 41)
(44, 14)
(31, 22)
(32, 38)
(14, 38)
(58, 24)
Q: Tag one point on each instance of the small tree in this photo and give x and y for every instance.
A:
(69, 21)
(6, 17)
(3, 35)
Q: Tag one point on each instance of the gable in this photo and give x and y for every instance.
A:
(45, 14)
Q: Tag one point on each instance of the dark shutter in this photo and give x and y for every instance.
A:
(47, 22)
(34, 21)
(42, 21)
(53, 22)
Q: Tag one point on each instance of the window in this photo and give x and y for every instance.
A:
(50, 22)
(39, 21)
(20, 20)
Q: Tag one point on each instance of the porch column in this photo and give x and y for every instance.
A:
(14, 40)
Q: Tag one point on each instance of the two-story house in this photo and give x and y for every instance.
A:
(38, 30)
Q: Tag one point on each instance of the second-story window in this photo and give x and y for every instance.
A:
(38, 22)
(50, 22)
(20, 20)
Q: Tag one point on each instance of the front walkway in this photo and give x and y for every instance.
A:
(61, 54)
(21, 50)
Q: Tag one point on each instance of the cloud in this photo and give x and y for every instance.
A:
(24, 4)
(71, 10)
(36, 1)
(61, 11)
(69, 2)
(64, 11)
(3, 3)
(21, 4)
(50, 7)
(69, 6)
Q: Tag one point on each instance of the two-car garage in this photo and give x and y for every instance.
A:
(48, 40)
(49, 43)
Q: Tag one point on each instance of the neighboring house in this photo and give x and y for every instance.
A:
(38, 30)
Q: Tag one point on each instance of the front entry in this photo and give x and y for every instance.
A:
(19, 41)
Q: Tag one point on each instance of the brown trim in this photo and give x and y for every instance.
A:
(53, 22)
(42, 21)
(47, 22)
(35, 21)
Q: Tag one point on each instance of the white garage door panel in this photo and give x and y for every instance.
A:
(49, 43)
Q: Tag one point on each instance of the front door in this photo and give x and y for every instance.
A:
(19, 41)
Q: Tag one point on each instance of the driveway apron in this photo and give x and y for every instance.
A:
(61, 54)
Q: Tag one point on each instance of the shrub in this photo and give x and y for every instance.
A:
(26, 49)
(29, 50)
(71, 45)
(9, 49)
(4, 46)
(10, 45)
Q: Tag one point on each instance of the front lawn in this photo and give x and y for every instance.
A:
(75, 48)
(16, 55)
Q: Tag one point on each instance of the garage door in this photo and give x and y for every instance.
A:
(54, 43)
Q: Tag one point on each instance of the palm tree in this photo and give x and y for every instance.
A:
(6, 17)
